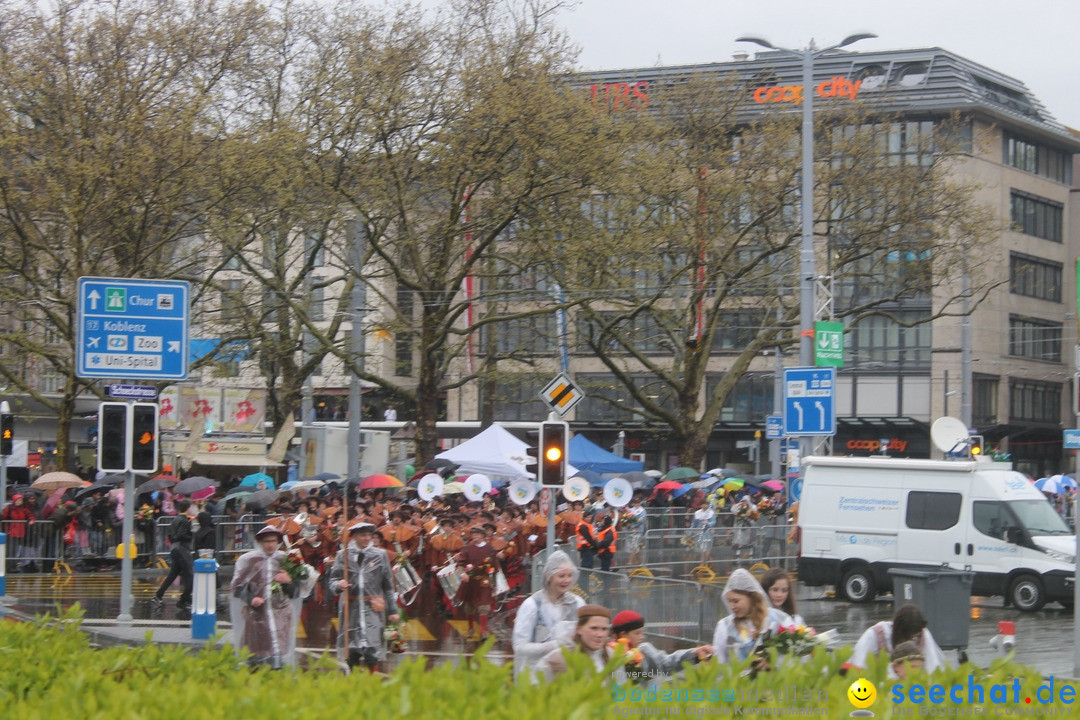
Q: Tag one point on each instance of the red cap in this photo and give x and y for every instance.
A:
(627, 620)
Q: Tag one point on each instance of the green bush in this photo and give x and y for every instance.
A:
(48, 669)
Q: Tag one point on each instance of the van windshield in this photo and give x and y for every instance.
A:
(1039, 517)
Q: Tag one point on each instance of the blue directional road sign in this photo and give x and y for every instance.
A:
(1072, 439)
(809, 407)
(774, 427)
(130, 328)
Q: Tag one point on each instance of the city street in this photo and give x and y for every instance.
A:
(1044, 639)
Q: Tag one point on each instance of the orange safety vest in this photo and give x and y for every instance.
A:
(581, 541)
(614, 536)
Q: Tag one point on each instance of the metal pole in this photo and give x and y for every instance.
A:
(356, 349)
(3, 481)
(126, 562)
(965, 352)
(807, 270)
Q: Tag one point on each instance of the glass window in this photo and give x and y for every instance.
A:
(1036, 216)
(1033, 338)
(932, 510)
(1034, 401)
(984, 394)
(1030, 156)
(1035, 277)
(991, 518)
(232, 301)
(880, 341)
(912, 74)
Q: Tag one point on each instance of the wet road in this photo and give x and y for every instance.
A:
(1044, 639)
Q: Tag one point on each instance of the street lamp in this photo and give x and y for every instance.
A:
(807, 271)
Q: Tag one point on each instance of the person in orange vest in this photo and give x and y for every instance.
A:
(586, 540)
(605, 541)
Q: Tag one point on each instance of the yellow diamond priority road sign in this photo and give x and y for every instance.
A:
(561, 394)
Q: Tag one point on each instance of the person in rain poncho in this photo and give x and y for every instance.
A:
(547, 615)
(908, 625)
(369, 597)
(591, 633)
(738, 634)
(265, 601)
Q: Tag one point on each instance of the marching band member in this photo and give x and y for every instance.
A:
(480, 562)
(367, 596)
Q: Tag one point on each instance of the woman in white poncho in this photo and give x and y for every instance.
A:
(738, 634)
(548, 615)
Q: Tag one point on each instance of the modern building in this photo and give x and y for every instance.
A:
(1010, 376)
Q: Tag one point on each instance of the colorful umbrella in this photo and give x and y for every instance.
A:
(58, 480)
(668, 485)
(1050, 484)
(374, 482)
(254, 479)
(774, 485)
(1067, 481)
(733, 483)
(682, 473)
(453, 488)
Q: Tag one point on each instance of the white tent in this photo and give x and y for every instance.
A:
(494, 452)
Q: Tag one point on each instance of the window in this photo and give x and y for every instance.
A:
(1034, 401)
(880, 341)
(932, 510)
(315, 308)
(1033, 215)
(1035, 277)
(984, 395)
(1032, 338)
(1037, 159)
(232, 301)
(737, 329)
(403, 354)
(991, 518)
(912, 74)
(749, 401)
(532, 335)
(648, 332)
(516, 398)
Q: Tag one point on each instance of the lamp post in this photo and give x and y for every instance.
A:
(807, 271)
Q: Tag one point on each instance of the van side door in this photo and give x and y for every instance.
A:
(932, 533)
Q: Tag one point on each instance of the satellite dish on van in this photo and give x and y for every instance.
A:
(948, 432)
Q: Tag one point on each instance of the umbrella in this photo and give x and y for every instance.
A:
(261, 499)
(158, 483)
(111, 480)
(323, 477)
(733, 483)
(254, 479)
(680, 492)
(639, 480)
(668, 485)
(1050, 484)
(1067, 481)
(171, 479)
(453, 488)
(54, 499)
(439, 463)
(374, 482)
(99, 486)
(591, 477)
(190, 485)
(705, 482)
(204, 494)
(682, 473)
(774, 485)
(58, 480)
(312, 484)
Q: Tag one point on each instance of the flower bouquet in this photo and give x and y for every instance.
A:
(746, 511)
(294, 566)
(633, 659)
(394, 636)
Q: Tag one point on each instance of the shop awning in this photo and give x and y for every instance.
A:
(218, 459)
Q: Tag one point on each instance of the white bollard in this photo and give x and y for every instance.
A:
(1005, 641)
(204, 612)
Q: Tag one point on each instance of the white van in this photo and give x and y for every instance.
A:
(861, 516)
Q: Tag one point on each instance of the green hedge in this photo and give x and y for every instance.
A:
(48, 669)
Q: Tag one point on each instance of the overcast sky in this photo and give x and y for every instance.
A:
(1034, 41)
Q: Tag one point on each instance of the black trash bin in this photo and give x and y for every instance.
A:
(944, 596)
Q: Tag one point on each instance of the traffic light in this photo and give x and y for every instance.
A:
(7, 433)
(553, 436)
(532, 462)
(975, 445)
(144, 437)
(112, 437)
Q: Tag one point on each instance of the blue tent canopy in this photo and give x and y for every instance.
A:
(585, 455)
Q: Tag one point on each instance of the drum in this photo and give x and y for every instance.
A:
(405, 577)
(450, 580)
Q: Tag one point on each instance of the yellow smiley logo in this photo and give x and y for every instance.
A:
(862, 693)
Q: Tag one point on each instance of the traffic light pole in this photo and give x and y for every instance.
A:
(126, 562)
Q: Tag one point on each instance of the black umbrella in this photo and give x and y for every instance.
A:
(639, 480)
(153, 486)
(325, 477)
(111, 480)
(99, 486)
(442, 466)
(190, 485)
(261, 499)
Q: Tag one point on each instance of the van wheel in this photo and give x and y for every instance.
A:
(858, 585)
(1026, 593)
